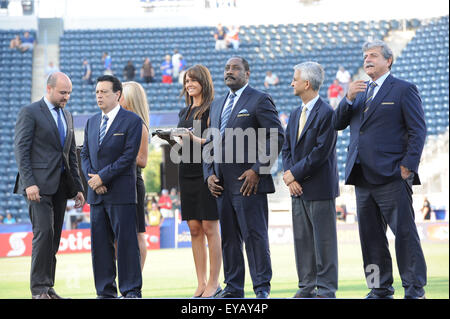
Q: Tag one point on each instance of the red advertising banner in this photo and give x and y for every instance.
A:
(72, 241)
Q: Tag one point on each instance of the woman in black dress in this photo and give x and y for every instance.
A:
(198, 206)
(134, 99)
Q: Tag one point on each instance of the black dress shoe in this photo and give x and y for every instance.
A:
(105, 297)
(41, 296)
(372, 295)
(133, 295)
(415, 297)
(262, 295)
(299, 295)
(226, 294)
(53, 295)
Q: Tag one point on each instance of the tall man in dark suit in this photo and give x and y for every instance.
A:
(240, 180)
(387, 135)
(111, 143)
(310, 165)
(45, 151)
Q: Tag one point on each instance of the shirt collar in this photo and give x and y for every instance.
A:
(239, 92)
(49, 104)
(310, 104)
(381, 79)
(112, 114)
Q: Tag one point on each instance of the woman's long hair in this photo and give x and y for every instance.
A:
(201, 74)
(136, 98)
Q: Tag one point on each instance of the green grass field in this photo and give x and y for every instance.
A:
(169, 273)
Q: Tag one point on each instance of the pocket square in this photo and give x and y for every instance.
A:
(387, 103)
(118, 134)
(243, 114)
(243, 111)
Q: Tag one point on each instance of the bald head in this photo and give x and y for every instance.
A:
(59, 88)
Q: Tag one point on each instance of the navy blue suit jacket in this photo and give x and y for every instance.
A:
(391, 134)
(115, 159)
(254, 110)
(312, 159)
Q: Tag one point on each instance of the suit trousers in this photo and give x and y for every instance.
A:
(315, 244)
(47, 219)
(377, 207)
(245, 220)
(109, 224)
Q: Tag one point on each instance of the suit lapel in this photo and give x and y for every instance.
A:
(113, 127)
(240, 103)
(311, 117)
(218, 111)
(384, 89)
(50, 119)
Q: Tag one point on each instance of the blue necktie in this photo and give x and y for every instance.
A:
(103, 129)
(369, 96)
(62, 133)
(226, 113)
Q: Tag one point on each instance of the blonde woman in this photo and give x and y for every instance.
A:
(134, 99)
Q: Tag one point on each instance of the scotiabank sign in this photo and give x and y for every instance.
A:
(72, 241)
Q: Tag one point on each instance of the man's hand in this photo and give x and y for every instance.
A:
(405, 172)
(288, 177)
(295, 189)
(33, 193)
(79, 200)
(354, 88)
(215, 189)
(101, 190)
(251, 180)
(95, 181)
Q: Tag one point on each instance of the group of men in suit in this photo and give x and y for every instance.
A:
(387, 137)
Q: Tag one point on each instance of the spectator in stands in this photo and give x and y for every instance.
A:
(9, 219)
(271, 79)
(221, 37)
(335, 93)
(165, 204)
(47, 176)
(107, 64)
(27, 42)
(147, 71)
(310, 172)
(1, 218)
(233, 37)
(341, 212)
(174, 196)
(51, 68)
(426, 209)
(182, 70)
(87, 72)
(134, 99)
(385, 109)
(344, 78)
(176, 58)
(167, 70)
(15, 43)
(129, 71)
(155, 218)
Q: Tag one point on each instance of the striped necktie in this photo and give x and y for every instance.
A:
(226, 113)
(103, 129)
(369, 96)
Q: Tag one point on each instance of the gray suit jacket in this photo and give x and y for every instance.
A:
(38, 151)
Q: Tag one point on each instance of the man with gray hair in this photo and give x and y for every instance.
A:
(387, 135)
(310, 165)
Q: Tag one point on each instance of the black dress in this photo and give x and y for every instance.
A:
(140, 209)
(196, 199)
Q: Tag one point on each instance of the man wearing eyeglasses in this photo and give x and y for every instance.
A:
(111, 143)
(45, 151)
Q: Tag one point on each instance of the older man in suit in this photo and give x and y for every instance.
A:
(45, 151)
(240, 180)
(111, 143)
(387, 135)
(310, 165)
